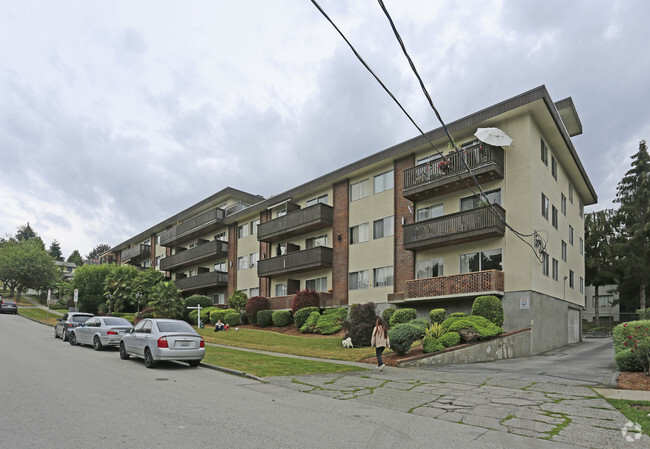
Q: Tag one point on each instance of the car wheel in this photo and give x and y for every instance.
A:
(194, 363)
(64, 337)
(72, 339)
(149, 362)
(97, 344)
(123, 354)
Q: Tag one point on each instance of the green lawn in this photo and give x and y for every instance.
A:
(38, 314)
(635, 411)
(261, 365)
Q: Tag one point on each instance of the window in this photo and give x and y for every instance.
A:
(254, 258)
(359, 190)
(426, 213)
(570, 193)
(480, 261)
(556, 269)
(218, 298)
(563, 250)
(383, 182)
(254, 225)
(544, 153)
(254, 292)
(191, 245)
(383, 276)
(158, 261)
(553, 168)
(430, 158)
(581, 209)
(582, 246)
(570, 235)
(563, 205)
(582, 285)
(545, 264)
(358, 280)
(242, 231)
(428, 268)
(544, 206)
(554, 216)
(281, 213)
(192, 272)
(313, 242)
(571, 280)
(280, 289)
(320, 199)
(221, 236)
(382, 228)
(359, 233)
(158, 240)
(474, 201)
(242, 262)
(221, 267)
(603, 301)
(318, 284)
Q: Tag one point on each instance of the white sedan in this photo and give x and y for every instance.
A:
(99, 331)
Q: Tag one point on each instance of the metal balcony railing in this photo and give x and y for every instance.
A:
(193, 227)
(140, 251)
(305, 220)
(203, 280)
(201, 253)
(299, 261)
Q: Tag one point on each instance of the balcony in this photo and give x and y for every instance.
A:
(305, 220)
(432, 179)
(458, 285)
(203, 280)
(461, 227)
(296, 262)
(284, 302)
(193, 228)
(140, 251)
(201, 253)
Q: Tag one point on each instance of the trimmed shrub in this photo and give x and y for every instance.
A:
(431, 344)
(331, 321)
(402, 337)
(301, 315)
(193, 301)
(254, 305)
(484, 327)
(624, 334)
(457, 315)
(310, 323)
(402, 316)
(644, 314)
(422, 326)
(450, 339)
(205, 315)
(489, 307)
(304, 298)
(626, 360)
(387, 314)
(219, 314)
(360, 323)
(281, 318)
(232, 319)
(237, 301)
(341, 313)
(243, 318)
(264, 318)
(437, 315)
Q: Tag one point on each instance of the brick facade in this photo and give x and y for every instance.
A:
(481, 281)
(403, 260)
(341, 244)
(232, 258)
(265, 252)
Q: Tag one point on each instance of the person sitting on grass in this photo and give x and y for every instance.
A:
(219, 326)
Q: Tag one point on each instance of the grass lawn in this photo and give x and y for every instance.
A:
(261, 365)
(39, 314)
(321, 347)
(635, 411)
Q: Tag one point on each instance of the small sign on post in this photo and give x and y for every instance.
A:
(76, 295)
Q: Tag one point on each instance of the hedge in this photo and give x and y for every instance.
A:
(232, 319)
(281, 318)
(301, 315)
(431, 344)
(194, 301)
(402, 316)
(489, 307)
(219, 314)
(331, 321)
(450, 339)
(387, 314)
(264, 318)
(626, 360)
(310, 323)
(482, 325)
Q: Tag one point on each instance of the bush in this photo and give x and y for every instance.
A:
(402, 337)
(450, 339)
(205, 315)
(437, 315)
(435, 330)
(331, 321)
(254, 305)
(360, 323)
(484, 327)
(489, 307)
(341, 313)
(301, 315)
(432, 344)
(644, 314)
(232, 319)
(422, 326)
(219, 314)
(626, 360)
(624, 334)
(310, 323)
(237, 301)
(264, 318)
(281, 318)
(194, 301)
(457, 315)
(387, 314)
(304, 298)
(243, 318)
(402, 316)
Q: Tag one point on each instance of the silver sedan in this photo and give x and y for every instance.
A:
(99, 331)
(157, 339)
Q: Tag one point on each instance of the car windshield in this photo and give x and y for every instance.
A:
(116, 322)
(174, 326)
(80, 318)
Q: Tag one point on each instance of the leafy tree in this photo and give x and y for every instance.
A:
(90, 280)
(237, 300)
(632, 247)
(98, 251)
(144, 284)
(75, 258)
(167, 302)
(118, 287)
(25, 264)
(55, 251)
(25, 232)
(599, 256)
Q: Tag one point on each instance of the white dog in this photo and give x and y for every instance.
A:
(347, 343)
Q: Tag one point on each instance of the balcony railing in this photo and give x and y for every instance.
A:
(203, 280)
(193, 227)
(140, 251)
(201, 253)
(305, 220)
(452, 229)
(299, 261)
(236, 207)
(284, 302)
(438, 178)
(480, 282)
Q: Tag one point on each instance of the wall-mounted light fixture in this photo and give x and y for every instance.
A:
(338, 237)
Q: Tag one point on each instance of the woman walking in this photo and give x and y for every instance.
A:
(380, 341)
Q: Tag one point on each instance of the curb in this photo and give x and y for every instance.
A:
(231, 371)
(34, 320)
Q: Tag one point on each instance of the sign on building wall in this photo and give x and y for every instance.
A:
(524, 302)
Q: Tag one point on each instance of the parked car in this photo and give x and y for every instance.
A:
(68, 321)
(8, 306)
(99, 331)
(156, 339)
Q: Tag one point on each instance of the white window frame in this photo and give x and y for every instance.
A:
(387, 228)
(544, 153)
(362, 231)
(362, 281)
(360, 190)
(242, 262)
(384, 181)
(429, 212)
(545, 204)
(383, 276)
(321, 199)
(242, 231)
(424, 268)
(318, 284)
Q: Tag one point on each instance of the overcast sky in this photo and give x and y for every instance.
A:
(115, 115)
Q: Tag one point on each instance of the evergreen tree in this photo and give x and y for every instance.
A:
(55, 251)
(599, 256)
(25, 232)
(75, 258)
(632, 247)
(98, 251)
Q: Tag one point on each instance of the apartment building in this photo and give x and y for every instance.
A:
(404, 227)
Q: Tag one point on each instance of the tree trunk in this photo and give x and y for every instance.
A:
(596, 306)
(642, 296)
